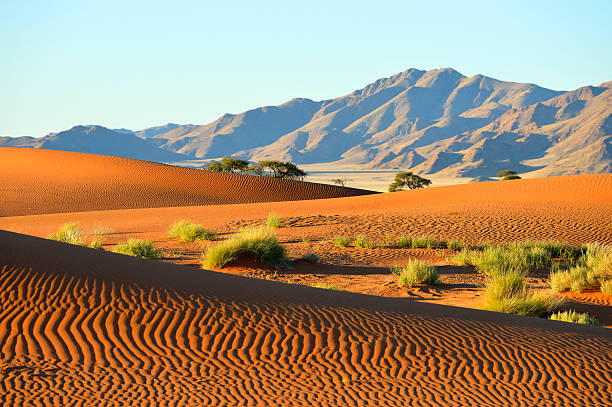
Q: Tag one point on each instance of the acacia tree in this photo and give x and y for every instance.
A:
(508, 175)
(279, 169)
(408, 180)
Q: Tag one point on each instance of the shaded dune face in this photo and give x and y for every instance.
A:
(37, 181)
(78, 326)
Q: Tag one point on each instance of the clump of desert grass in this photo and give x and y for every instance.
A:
(416, 272)
(69, 233)
(363, 243)
(138, 248)
(593, 267)
(509, 293)
(326, 286)
(261, 243)
(187, 231)
(575, 317)
(502, 259)
(273, 221)
(342, 241)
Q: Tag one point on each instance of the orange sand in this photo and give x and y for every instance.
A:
(46, 181)
(84, 327)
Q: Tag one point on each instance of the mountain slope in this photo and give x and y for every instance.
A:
(438, 123)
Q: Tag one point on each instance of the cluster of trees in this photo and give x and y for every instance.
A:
(508, 175)
(270, 168)
(408, 180)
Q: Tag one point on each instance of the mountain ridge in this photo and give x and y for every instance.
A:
(436, 123)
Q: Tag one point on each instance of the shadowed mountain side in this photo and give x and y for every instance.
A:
(80, 326)
(46, 181)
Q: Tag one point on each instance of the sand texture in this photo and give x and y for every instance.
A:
(36, 181)
(86, 327)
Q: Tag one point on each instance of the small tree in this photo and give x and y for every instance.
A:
(408, 180)
(279, 169)
(234, 165)
(214, 166)
(507, 173)
(340, 181)
(508, 177)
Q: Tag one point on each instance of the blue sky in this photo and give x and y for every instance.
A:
(137, 64)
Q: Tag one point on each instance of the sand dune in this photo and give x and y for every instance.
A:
(574, 209)
(82, 327)
(46, 181)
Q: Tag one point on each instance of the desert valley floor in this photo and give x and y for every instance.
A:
(80, 326)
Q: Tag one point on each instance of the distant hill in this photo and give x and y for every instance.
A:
(436, 123)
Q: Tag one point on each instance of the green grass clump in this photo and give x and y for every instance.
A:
(186, 231)
(502, 259)
(560, 281)
(362, 242)
(426, 242)
(273, 221)
(405, 242)
(456, 245)
(326, 286)
(69, 233)
(341, 241)
(606, 287)
(139, 248)
(260, 243)
(416, 272)
(575, 317)
(508, 293)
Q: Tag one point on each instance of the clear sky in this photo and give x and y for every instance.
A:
(137, 64)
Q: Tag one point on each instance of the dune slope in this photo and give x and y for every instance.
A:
(46, 181)
(83, 327)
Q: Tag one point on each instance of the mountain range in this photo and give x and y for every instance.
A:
(438, 123)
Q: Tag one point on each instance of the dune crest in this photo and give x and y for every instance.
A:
(38, 181)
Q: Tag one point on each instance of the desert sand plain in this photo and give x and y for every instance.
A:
(81, 326)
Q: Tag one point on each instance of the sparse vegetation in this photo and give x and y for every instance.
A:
(69, 233)
(362, 242)
(276, 169)
(326, 286)
(594, 267)
(260, 243)
(408, 180)
(186, 231)
(456, 245)
(508, 293)
(273, 221)
(416, 272)
(341, 241)
(405, 242)
(139, 248)
(575, 317)
(502, 259)
(426, 242)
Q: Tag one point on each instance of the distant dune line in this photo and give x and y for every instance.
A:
(78, 326)
(36, 181)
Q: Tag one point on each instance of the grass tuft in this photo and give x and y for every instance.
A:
(260, 243)
(575, 317)
(186, 231)
(273, 221)
(362, 242)
(508, 293)
(69, 233)
(416, 272)
(341, 241)
(405, 242)
(139, 248)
